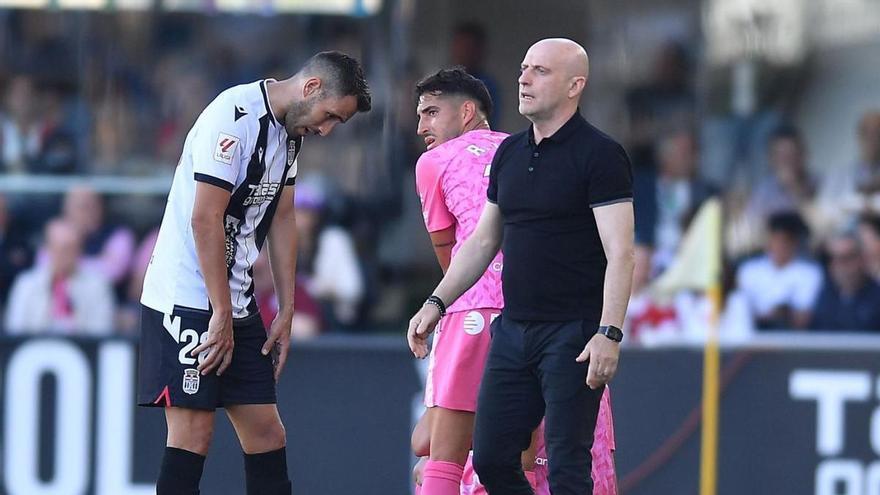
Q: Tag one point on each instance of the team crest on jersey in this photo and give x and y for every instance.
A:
(225, 149)
(291, 152)
(191, 381)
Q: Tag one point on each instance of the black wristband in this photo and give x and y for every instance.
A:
(436, 301)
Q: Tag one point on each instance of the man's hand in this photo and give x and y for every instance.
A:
(279, 342)
(602, 354)
(218, 346)
(420, 326)
(419, 470)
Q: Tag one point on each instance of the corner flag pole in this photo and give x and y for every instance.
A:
(711, 385)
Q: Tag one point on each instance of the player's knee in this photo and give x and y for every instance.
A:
(267, 437)
(275, 436)
(194, 436)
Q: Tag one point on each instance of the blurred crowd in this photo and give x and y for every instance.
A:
(101, 93)
(801, 247)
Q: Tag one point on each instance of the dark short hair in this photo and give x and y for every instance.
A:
(473, 29)
(456, 82)
(788, 222)
(872, 221)
(787, 132)
(341, 75)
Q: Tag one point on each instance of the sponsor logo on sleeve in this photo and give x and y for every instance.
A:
(225, 149)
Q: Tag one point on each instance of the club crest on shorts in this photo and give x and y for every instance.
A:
(474, 323)
(191, 381)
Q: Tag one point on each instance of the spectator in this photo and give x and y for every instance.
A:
(665, 201)
(869, 239)
(106, 247)
(868, 171)
(856, 186)
(779, 287)
(468, 49)
(849, 299)
(184, 96)
(60, 296)
(789, 187)
(33, 136)
(19, 125)
(115, 135)
(667, 99)
(57, 149)
(327, 264)
(14, 254)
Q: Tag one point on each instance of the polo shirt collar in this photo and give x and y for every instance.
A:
(573, 124)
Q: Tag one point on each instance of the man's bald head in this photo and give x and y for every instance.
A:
(554, 73)
(568, 53)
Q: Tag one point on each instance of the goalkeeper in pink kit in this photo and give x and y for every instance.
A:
(452, 177)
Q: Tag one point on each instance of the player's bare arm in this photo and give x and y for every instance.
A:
(282, 260)
(469, 264)
(615, 224)
(210, 241)
(443, 240)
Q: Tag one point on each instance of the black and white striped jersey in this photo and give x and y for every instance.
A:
(236, 144)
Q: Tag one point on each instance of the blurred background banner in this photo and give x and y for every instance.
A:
(773, 108)
(268, 7)
(795, 420)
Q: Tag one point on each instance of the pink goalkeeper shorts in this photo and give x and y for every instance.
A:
(458, 356)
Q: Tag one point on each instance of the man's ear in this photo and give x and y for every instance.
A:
(311, 86)
(577, 86)
(468, 111)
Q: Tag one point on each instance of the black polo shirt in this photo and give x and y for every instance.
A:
(554, 263)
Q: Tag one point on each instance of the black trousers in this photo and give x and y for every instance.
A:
(531, 373)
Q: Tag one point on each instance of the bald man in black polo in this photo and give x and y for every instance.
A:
(560, 206)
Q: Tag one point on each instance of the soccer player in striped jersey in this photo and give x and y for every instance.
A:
(203, 344)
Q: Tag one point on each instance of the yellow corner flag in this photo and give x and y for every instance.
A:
(697, 266)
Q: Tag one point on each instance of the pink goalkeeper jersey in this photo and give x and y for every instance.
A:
(451, 180)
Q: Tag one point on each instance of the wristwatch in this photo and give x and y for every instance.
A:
(611, 332)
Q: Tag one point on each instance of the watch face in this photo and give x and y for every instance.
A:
(613, 333)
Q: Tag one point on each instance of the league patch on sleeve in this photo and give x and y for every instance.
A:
(225, 149)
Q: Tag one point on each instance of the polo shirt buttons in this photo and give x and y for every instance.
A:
(531, 169)
(535, 154)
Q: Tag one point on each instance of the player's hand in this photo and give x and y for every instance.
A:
(278, 342)
(602, 353)
(420, 326)
(419, 470)
(217, 348)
